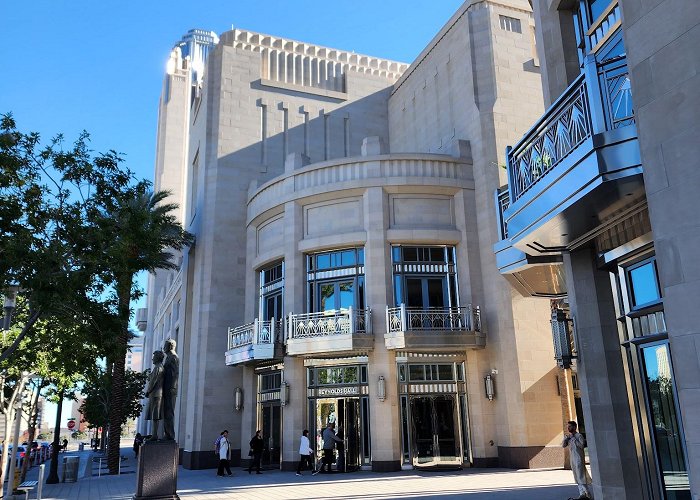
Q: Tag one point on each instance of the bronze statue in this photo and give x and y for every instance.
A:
(171, 374)
(154, 393)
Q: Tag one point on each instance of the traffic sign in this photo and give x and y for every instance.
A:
(71, 424)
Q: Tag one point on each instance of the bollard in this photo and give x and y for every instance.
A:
(99, 470)
(40, 486)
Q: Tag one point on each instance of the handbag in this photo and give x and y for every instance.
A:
(250, 452)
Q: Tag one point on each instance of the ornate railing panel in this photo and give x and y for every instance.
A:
(560, 130)
(328, 323)
(602, 28)
(502, 204)
(257, 332)
(241, 335)
(403, 319)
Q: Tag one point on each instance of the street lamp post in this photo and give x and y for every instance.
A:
(8, 308)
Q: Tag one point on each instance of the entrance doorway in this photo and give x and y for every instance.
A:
(345, 414)
(435, 429)
(271, 418)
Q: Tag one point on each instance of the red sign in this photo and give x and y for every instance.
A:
(71, 424)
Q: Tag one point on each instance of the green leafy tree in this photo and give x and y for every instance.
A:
(97, 391)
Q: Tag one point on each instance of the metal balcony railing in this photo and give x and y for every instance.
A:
(600, 99)
(329, 323)
(404, 319)
(561, 129)
(502, 204)
(257, 332)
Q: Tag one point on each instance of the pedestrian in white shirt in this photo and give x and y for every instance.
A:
(223, 447)
(305, 452)
(576, 444)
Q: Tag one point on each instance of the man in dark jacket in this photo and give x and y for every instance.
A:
(256, 447)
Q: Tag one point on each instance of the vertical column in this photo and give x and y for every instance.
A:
(602, 380)
(249, 416)
(384, 415)
(326, 135)
(294, 418)
(262, 104)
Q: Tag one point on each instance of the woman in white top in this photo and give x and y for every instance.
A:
(305, 452)
(224, 447)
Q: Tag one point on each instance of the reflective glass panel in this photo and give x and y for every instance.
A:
(415, 372)
(327, 297)
(645, 287)
(667, 433)
(347, 294)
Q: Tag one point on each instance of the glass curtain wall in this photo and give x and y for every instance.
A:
(648, 358)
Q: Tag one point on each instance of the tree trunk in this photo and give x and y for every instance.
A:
(53, 470)
(116, 407)
(32, 431)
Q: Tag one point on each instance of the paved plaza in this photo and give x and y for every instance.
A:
(474, 484)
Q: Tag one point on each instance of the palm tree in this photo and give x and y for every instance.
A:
(139, 233)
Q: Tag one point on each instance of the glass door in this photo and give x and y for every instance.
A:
(272, 307)
(345, 414)
(435, 431)
(667, 439)
(272, 434)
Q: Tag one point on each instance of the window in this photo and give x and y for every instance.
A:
(425, 277)
(271, 292)
(431, 373)
(335, 280)
(270, 381)
(510, 24)
(643, 284)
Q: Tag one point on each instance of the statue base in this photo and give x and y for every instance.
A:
(156, 472)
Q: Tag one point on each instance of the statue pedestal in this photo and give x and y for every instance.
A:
(156, 473)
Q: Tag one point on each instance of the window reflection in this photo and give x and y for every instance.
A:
(645, 288)
(667, 435)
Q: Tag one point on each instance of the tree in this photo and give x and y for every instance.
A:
(47, 195)
(97, 391)
(140, 232)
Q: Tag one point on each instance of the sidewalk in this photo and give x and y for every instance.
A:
(474, 484)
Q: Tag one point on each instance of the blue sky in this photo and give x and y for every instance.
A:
(73, 65)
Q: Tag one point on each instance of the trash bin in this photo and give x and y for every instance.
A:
(81, 446)
(70, 469)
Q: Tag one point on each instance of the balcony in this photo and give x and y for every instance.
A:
(577, 166)
(434, 329)
(259, 340)
(343, 331)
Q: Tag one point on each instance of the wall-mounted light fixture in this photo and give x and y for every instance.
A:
(284, 393)
(489, 387)
(381, 388)
(238, 399)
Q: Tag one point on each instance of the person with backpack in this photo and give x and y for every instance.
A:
(222, 448)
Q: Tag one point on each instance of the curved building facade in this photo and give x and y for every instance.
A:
(343, 269)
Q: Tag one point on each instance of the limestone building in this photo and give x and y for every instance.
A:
(343, 268)
(599, 212)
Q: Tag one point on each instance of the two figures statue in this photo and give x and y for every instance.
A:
(162, 391)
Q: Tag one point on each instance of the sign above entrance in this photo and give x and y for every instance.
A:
(337, 391)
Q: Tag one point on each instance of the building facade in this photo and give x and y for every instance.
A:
(597, 213)
(343, 268)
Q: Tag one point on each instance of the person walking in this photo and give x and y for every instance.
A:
(329, 441)
(138, 441)
(305, 452)
(224, 451)
(576, 443)
(256, 447)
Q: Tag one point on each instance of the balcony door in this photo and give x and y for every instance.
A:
(335, 295)
(426, 292)
(272, 306)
